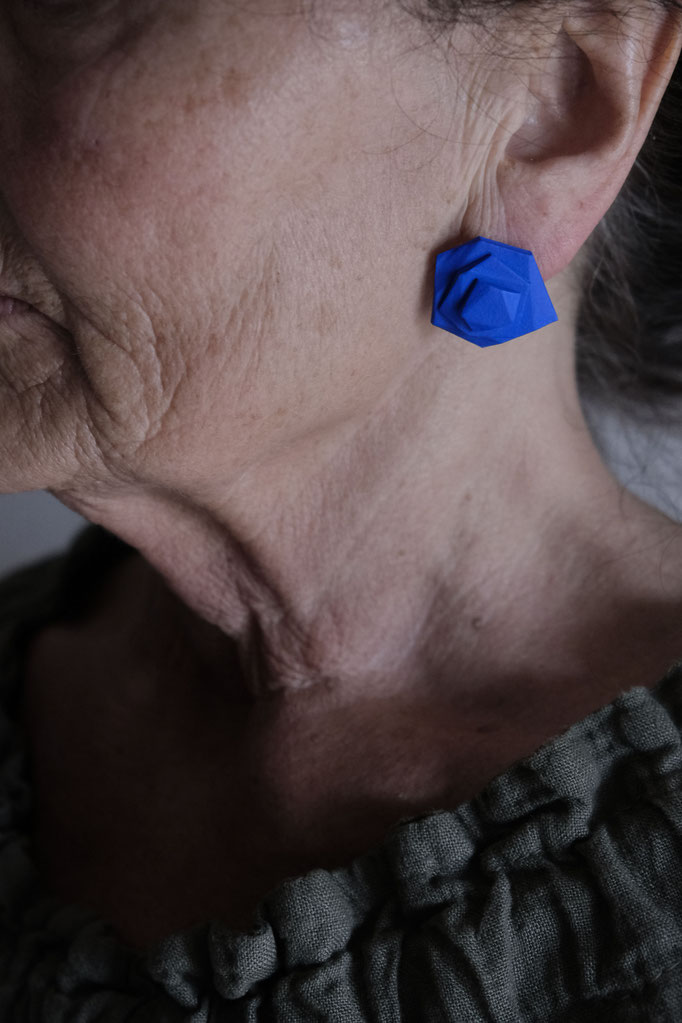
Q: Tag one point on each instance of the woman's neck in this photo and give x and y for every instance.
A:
(440, 550)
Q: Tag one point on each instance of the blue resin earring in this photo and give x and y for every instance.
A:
(487, 292)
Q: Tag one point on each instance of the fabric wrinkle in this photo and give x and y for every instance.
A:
(553, 894)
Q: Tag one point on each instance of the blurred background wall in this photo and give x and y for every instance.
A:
(33, 526)
(646, 461)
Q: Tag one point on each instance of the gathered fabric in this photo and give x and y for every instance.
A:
(555, 894)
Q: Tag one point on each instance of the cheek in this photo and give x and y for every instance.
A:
(153, 149)
(139, 224)
(147, 206)
(130, 187)
(154, 159)
(70, 191)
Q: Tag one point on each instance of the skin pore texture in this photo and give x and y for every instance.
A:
(377, 564)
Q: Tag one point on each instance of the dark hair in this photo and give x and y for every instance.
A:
(629, 329)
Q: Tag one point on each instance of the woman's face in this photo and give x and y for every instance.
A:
(225, 207)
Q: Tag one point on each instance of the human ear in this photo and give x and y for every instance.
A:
(587, 115)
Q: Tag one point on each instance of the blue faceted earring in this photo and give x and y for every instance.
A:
(487, 292)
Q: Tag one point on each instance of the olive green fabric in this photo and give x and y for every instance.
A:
(554, 895)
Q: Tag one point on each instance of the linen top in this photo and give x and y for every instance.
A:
(555, 894)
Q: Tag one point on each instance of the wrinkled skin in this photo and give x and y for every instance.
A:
(360, 538)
